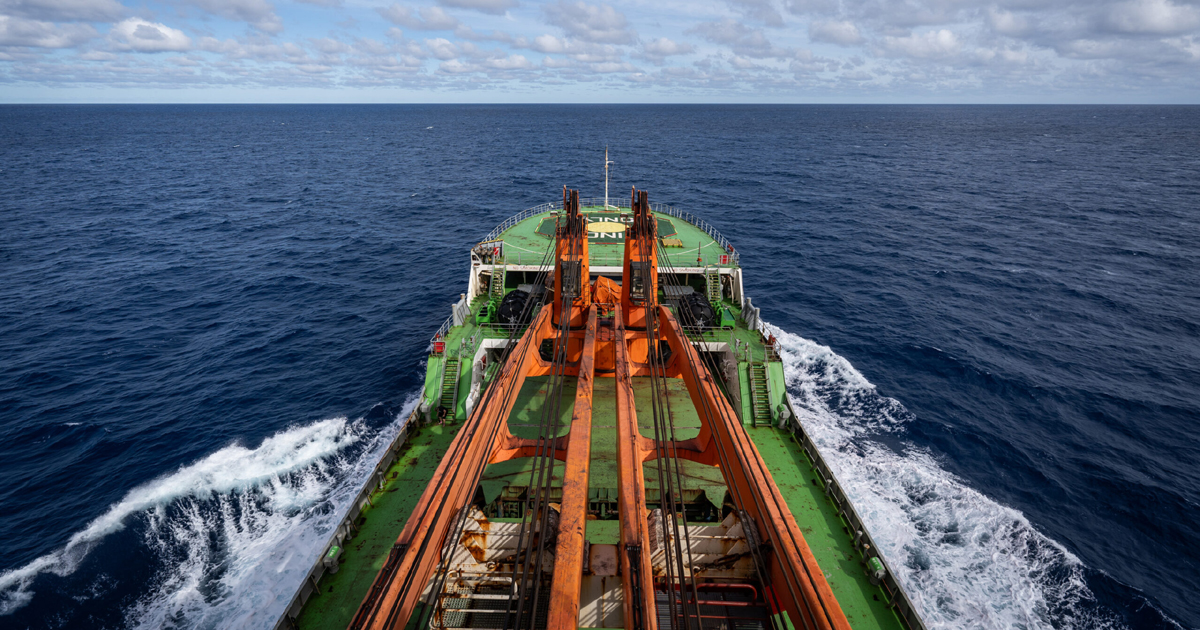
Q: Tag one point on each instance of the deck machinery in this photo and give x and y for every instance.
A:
(606, 456)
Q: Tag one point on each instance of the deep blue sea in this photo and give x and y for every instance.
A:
(212, 316)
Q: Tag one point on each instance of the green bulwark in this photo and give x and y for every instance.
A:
(759, 396)
(378, 527)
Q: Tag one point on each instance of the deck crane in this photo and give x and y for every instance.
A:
(575, 337)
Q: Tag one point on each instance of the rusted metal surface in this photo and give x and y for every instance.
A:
(794, 576)
(637, 576)
(641, 248)
(571, 276)
(569, 553)
(756, 555)
(415, 555)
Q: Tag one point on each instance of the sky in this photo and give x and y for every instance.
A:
(580, 51)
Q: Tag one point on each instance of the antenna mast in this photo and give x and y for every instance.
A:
(606, 163)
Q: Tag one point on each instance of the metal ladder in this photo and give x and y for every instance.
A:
(760, 395)
(496, 287)
(712, 282)
(449, 399)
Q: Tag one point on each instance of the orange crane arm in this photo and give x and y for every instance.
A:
(417, 552)
(568, 554)
(637, 576)
(794, 574)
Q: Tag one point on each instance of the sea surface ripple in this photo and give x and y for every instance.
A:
(211, 317)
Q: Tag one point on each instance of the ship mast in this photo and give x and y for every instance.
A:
(606, 163)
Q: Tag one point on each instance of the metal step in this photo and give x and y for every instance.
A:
(760, 395)
(449, 396)
(496, 288)
(712, 282)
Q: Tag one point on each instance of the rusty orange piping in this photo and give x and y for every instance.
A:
(568, 553)
(453, 484)
(792, 563)
(636, 574)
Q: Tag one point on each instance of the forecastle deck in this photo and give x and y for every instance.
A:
(748, 379)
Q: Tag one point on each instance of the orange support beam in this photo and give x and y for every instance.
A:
(568, 554)
(794, 575)
(417, 552)
(641, 251)
(636, 574)
(571, 262)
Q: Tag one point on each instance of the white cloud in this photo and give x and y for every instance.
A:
(843, 33)
(741, 39)
(979, 48)
(762, 10)
(257, 13)
(664, 47)
(503, 65)
(138, 35)
(442, 48)
(330, 46)
(930, 44)
(811, 7)
(64, 10)
(1158, 17)
(511, 62)
(1007, 22)
(465, 32)
(600, 24)
(611, 67)
(424, 19)
(37, 34)
(743, 63)
(493, 7)
(656, 51)
(579, 51)
(550, 44)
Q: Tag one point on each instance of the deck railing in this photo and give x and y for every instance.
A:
(441, 334)
(663, 208)
(685, 258)
(521, 216)
(619, 204)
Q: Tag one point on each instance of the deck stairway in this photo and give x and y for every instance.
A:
(496, 286)
(760, 395)
(449, 397)
(712, 282)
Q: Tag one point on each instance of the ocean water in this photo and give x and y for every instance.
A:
(212, 317)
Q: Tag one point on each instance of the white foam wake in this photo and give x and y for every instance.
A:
(234, 533)
(965, 560)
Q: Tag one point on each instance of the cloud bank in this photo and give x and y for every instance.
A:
(728, 50)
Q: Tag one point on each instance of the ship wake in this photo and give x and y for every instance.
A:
(965, 560)
(226, 540)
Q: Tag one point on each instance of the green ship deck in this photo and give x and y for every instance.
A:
(821, 510)
(686, 244)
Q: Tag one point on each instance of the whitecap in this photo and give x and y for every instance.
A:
(965, 560)
(234, 533)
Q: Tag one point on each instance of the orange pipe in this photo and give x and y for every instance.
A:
(636, 574)
(795, 576)
(452, 486)
(568, 553)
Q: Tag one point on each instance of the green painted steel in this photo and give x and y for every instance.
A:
(604, 532)
(525, 245)
(760, 378)
(378, 527)
(827, 535)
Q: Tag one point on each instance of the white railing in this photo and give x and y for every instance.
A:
(441, 333)
(521, 216)
(663, 208)
(620, 204)
(679, 259)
